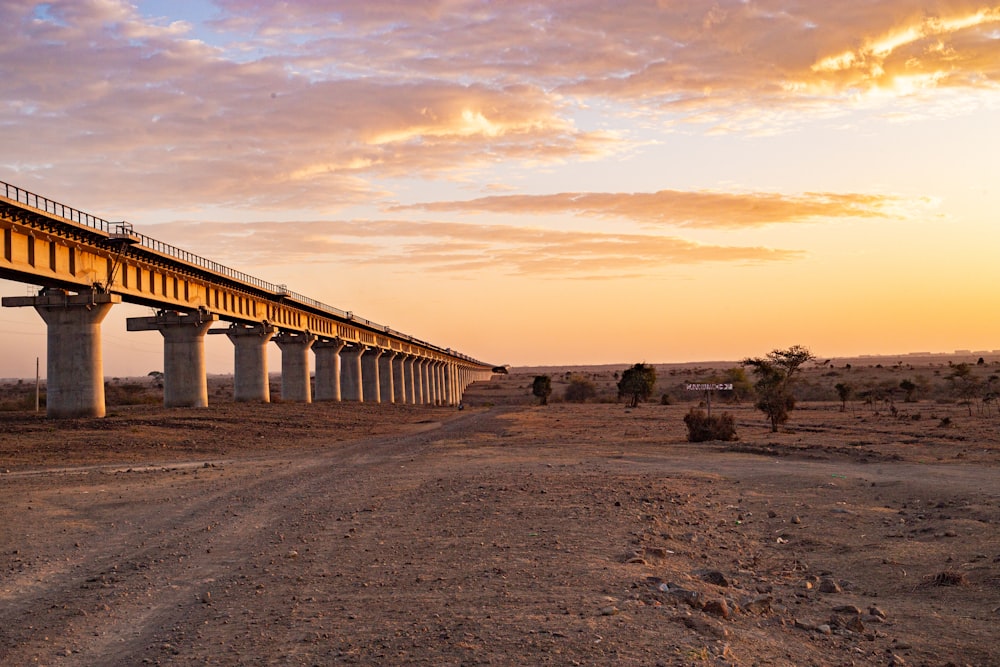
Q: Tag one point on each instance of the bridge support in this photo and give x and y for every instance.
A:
(386, 377)
(450, 383)
(370, 375)
(295, 385)
(74, 372)
(423, 378)
(185, 379)
(250, 372)
(439, 395)
(398, 378)
(351, 378)
(328, 369)
(409, 380)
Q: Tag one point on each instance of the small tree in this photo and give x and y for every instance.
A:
(964, 384)
(909, 388)
(844, 392)
(742, 387)
(580, 389)
(775, 374)
(637, 384)
(542, 387)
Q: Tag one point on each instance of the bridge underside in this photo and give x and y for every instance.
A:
(85, 267)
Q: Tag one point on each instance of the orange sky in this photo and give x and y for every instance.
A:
(535, 183)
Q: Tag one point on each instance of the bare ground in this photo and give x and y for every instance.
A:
(503, 534)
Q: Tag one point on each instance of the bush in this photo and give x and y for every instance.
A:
(580, 389)
(637, 384)
(703, 427)
(542, 388)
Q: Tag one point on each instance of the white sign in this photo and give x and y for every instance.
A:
(711, 387)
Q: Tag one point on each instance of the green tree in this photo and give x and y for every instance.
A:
(637, 384)
(775, 375)
(580, 389)
(542, 387)
(844, 392)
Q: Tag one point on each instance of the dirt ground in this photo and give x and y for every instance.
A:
(503, 534)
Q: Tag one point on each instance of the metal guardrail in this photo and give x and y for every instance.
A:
(71, 214)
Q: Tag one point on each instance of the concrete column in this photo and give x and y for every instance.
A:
(250, 373)
(429, 382)
(370, 375)
(423, 395)
(399, 378)
(295, 346)
(449, 383)
(328, 369)
(438, 383)
(386, 381)
(185, 378)
(351, 376)
(74, 385)
(409, 379)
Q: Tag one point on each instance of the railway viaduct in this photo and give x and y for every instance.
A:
(85, 265)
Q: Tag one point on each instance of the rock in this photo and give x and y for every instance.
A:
(828, 585)
(854, 624)
(875, 611)
(716, 607)
(847, 609)
(760, 604)
(692, 598)
(771, 514)
(895, 659)
(715, 578)
(609, 611)
(824, 629)
(796, 519)
(703, 626)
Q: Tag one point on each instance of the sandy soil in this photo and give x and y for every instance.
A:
(502, 534)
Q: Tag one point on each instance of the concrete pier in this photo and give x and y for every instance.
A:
(386, 378)
(185, 379)
(295, 383)
(328, 369)
(449, 384)
(74, 360)
(425, 382)
(370, 375)
(399, 378)
(409, 368)
(351, 383)
(250, 373)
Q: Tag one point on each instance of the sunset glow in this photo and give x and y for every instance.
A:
(535, 183)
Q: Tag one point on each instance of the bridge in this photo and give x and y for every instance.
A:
(85, 265)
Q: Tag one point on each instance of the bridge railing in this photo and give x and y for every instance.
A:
(55, 208)
(22, 196)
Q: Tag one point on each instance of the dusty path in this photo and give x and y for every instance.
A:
(498, 537)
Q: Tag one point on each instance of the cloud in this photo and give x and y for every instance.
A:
(315, 105)
(200, 125)
(457, 248)
(719, 210)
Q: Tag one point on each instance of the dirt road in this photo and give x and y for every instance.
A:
(505, 536)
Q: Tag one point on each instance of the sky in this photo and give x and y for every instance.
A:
(534, 183)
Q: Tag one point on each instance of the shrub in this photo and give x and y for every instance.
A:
(637, 384)
(703, 427)
(541, 388)
(580, 389)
